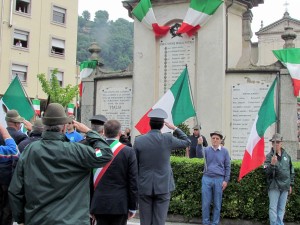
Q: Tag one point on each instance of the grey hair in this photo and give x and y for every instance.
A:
(97, 128)
(56, 128)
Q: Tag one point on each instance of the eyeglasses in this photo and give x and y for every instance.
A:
(71, 123)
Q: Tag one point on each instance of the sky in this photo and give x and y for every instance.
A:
(269, 12)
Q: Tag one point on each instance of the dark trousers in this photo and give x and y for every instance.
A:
(5, 211)
(153, 209)
(111, 219)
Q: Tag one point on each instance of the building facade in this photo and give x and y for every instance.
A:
(37, 37)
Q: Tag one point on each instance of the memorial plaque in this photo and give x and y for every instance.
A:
(176, 51)
(246, 102)
(115, 103)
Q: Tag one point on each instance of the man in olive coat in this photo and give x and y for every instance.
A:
(51, 181)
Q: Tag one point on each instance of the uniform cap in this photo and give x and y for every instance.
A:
(157, 115)
(13, 116)
(98, 119)
(217, 133)
(276, 137)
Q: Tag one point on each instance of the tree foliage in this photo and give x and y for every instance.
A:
(57, 93)
(115, 39)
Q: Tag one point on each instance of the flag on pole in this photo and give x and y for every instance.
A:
(290, 57)
(176, 102)
(71, 109)
(254, 155)
(144, 13)
(86, 69)
(37, 106)
(15, 98)
(199, 12)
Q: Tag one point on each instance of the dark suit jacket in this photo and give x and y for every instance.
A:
(153, 151)
(116, 192)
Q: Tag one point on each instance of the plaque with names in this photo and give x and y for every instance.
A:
(246, 102)
(175, 52)
(116, 104)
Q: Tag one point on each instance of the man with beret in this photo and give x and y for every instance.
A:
(191, 150)
(51, 181)
(155, 178)
(215, 178)
(8, 151)
(280, 176)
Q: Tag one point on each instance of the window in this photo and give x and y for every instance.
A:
(23, 6)
(60, 77)
(21, 38)
(59, 15)
(57, 47)
(20, 71)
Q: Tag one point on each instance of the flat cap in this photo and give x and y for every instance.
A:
(98, 119)
(157, 115)
(217, 133)
(276, 137)
(197, 127)
(13, 116)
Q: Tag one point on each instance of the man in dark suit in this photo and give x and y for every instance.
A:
(115, 195)
(155, 180)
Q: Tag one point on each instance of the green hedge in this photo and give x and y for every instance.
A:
(246, 200)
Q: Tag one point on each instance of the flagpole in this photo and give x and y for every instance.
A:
(197, 122)
(277, 108)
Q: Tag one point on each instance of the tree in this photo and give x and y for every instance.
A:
(86, 15)
(57, 93)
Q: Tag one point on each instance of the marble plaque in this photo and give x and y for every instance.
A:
(246, 102)
(175, 52)
(116, 104)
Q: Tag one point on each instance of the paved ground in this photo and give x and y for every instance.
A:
(137, 222)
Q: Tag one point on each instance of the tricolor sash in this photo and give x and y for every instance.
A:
(116, 147)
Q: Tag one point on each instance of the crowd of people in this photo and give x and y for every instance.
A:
(64, 172)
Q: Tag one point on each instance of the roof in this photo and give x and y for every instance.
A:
(286, 19)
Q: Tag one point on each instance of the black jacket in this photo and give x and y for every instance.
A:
(116, 192)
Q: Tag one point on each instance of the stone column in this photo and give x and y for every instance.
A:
(288, 103)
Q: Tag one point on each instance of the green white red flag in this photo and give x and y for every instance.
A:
(15, 98)
(86, 69)
(254, 155)
(71, 107)
(176, 102)
(290, 57)
(37, 106)
(199, 12)
(144, 13)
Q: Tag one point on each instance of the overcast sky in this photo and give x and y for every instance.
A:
(269, 12)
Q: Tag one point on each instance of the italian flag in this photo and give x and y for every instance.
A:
(71, 109)
(176, 102)
(197, 15)
(37, 106)
(254, 155)
(86, 69)
(144, 13)
(290, 57)
(15, 98)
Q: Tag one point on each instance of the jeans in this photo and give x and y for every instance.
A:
(211, 192)
(277, 206)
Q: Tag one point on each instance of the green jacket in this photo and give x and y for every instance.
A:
(281, 175)
(51, 181)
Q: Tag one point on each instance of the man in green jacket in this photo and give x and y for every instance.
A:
(51, 181)
(280, 176)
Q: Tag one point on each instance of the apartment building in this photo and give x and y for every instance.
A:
(37, 36)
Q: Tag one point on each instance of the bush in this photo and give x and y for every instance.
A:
(247, 199)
